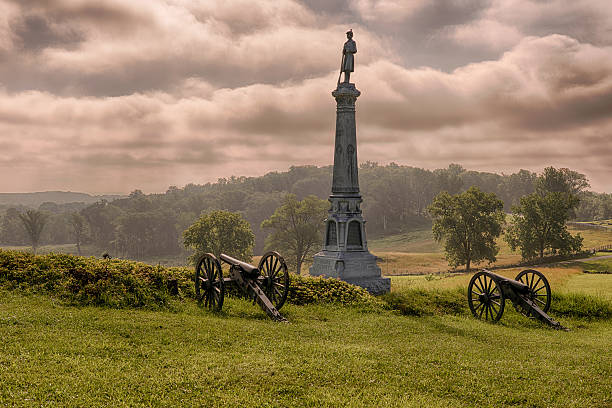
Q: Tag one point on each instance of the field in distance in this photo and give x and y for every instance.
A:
(416, 252)
(411, 253)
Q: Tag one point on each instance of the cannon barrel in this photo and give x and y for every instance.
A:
(245, 267)
(518, 286)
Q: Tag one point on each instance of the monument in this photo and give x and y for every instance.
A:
(345, 253)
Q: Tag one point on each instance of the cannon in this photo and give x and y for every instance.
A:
(529, 293)
(267, 284)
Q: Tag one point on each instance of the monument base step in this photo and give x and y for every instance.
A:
(376, 286)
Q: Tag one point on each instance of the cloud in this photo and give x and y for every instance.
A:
(504, 23)
(109, 96)
(112, 48)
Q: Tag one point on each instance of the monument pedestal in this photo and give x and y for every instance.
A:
(345, 253)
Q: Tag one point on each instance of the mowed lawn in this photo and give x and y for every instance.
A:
(53, 354)
(417, 252)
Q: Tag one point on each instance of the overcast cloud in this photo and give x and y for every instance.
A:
(114, 95)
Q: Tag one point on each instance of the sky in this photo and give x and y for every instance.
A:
(109, 96)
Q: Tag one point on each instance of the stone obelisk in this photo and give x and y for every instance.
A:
(345, 252)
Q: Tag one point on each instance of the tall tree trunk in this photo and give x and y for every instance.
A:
(299, 267)
(467, 264)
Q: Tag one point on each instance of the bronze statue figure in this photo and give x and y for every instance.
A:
(348, 57)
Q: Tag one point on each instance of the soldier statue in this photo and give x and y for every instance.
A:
(348, 57)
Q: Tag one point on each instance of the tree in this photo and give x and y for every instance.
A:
(220, 232)
(539, 225)
(297, 228)
(77, 222)
(561, 181)
(468, 223)
(34, 222)
(12, 231)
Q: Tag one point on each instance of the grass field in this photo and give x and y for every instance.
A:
(329, 356)
(54, 354)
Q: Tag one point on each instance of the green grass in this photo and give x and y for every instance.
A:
(419, 347)
(418, 241)
(328, 356)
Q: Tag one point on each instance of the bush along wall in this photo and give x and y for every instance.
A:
(122, 283)
(91, 281)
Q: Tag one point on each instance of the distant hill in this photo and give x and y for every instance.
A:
(59, 197)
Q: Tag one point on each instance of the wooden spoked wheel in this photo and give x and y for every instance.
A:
(274, 278)
(539, 289)
(209, 285)
(485, 298)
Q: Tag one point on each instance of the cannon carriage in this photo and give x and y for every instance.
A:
(267, 284)
(529, 292)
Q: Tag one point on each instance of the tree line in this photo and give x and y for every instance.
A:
(396, 199)
(469, 223)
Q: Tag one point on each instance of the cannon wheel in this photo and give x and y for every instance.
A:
(539, 289)
(485, 298)
(274, 279)
(209, 285)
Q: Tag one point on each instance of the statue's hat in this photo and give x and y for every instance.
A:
(350, 31)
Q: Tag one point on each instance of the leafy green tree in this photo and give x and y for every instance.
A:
(220, 232)
(539, 225)
(100, 217)
(12, 231)
(468, 223)
(139, 234)
(297, 228)
(561, 181)
(34, 221)
(77, 223)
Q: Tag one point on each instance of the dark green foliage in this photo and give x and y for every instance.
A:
(91, 281)
(146, 233)
(12, 230)
(120, 283)
(539, 225)
(421, 302)
(296, 228)
(34, 221)
(561, 180)
(77, 224)
(307, 290)
(594, 206)
(395, 200)
(579, 305)
(468, 223)
(220, 232)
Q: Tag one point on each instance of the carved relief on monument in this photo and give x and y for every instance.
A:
(352, 168)
(332, 235)
(353, 239)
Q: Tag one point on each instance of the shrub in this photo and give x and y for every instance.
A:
(122, 283)
(579, 305)
(91, 281)
(307, 290)
(421, 302)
